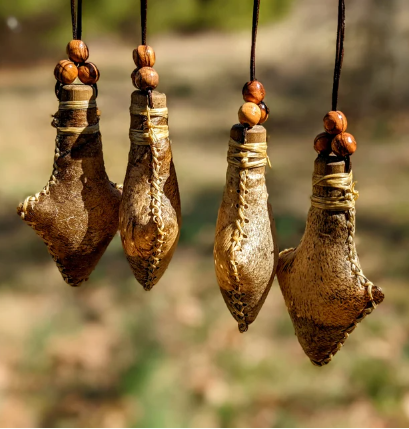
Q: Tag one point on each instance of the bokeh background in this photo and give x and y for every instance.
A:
(109, 354)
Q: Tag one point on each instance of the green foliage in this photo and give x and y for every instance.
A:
(376, 378)
(213, 14)
(107, 16)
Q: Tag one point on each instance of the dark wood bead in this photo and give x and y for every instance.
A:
(254, 92)
(264, 112)
(322, 143)
(77, 51)
(343, 144)
(249, 114)
(88, 73)
(146, 78)
(144, 56)
(335, 122)
(66, 72)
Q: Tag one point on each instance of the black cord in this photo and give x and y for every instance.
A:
(256, 10)
(73, 20)
(76, 23)
(339, 55)
(76, 19)
(144, 24)
(144, 13)
(79, 20)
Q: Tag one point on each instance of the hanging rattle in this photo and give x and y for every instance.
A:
(245, 250)
(324, 288)
(76, 213)
(149, 216)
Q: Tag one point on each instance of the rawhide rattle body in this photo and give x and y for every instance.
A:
(150, 213)
(245, 250)
(76, 214)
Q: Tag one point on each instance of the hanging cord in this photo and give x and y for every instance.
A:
(144, 14)
(256, 10)
(144, 25)
(76, 19)
(76, 23)
(339, 55)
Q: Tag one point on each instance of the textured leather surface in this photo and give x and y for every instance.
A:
(78, 217)
(257, 260)
(324, 297)
(139, 231)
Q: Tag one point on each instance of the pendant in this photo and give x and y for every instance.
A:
(245, 250)
(150, 213)
(324, 288)
(76, 213)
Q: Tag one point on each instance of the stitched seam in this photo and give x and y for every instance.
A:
(46, 190)
(237, 306)
(156, 214)
(33, 199)
(154, 134)
(359, 275)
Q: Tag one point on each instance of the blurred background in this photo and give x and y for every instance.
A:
(109, 354)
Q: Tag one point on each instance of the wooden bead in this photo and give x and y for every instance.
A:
(343, 144)
(249, 114)
(335, 122)
(144, 56)
(322, 143)
(77, 51)
(146, 78)
(264, 112)
(254, 92)
(66, 72)
(88, 73)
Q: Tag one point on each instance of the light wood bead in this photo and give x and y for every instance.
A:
(249, 114)
(335, 122)
(66, 72)
(253, 92)
(322, 143)
(146, 78)
(144, 56)
(343, 144)
(77, 51)
(264, 112)
(88, 73)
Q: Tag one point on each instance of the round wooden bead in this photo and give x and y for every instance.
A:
(335, 122)
(144, 56)
(77, 51)
(88, 73)
(146, 78)
(322, 143)
(66, 72)
(253, 92)
(343, 144)
(249, 114)
(264, 112)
